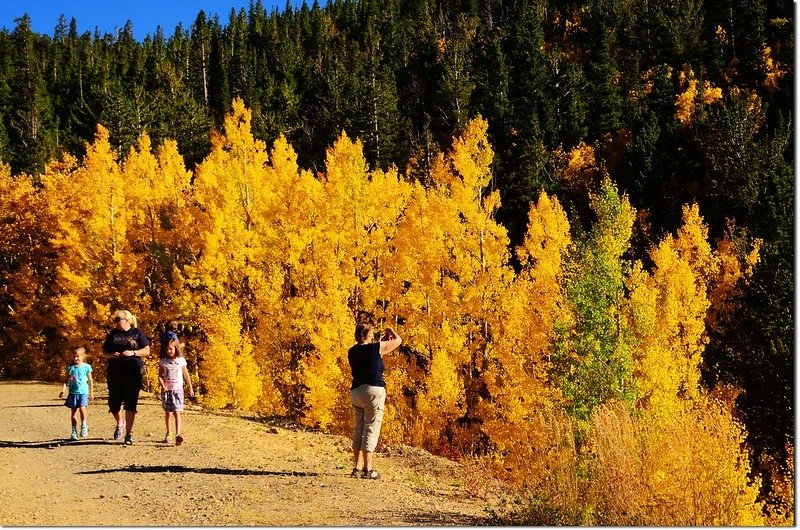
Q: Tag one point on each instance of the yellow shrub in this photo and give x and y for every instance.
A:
(687, 470)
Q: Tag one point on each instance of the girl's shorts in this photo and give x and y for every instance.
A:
(172, 400)
(76, 401)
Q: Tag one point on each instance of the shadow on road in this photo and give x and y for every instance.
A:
(51, 444)
(59, 404)
(441, 518)
(205, 470)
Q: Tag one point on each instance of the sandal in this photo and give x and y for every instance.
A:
(372, 474)
(355, 472)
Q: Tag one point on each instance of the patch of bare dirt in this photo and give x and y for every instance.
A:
(232, 471)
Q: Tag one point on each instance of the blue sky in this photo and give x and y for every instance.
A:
(110, 14)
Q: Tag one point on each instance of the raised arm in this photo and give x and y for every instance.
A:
(391, 343)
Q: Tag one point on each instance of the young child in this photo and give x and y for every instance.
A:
(81, 390)
(170, 333)
(172, 374)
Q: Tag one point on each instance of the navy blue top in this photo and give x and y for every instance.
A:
(366, 364)
(117, 341)
(168, 336)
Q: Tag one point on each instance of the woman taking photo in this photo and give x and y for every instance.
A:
(368, 393)
(124, 348)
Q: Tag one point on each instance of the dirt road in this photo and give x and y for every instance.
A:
(232, 471)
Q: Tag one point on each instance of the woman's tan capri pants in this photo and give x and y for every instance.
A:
(368, 403)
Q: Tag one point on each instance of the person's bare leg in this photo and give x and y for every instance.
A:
(166, 421)
(129, 417)
(117, 416)
(368, 460)
(178, 423)
(74, 418)
(356, 457)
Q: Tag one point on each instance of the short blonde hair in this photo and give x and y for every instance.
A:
(80, 350)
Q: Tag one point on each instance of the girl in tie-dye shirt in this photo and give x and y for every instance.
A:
(172, 375)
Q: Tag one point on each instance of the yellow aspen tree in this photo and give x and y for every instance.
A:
(451, 268)
(670, 309)
(356, 218)
(578, 168)
(156, 187)
(159, 184)
(421, 263)
(230, 192)
(773, 69)
(667, 311)
(686, 101)
(328, 280)
(711, 94)
(228, 372)
(279, 331)
(99, 270)
(27, 271)
(736, 260)
(518, 379)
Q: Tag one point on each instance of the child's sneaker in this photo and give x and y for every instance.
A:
(128, 439)
(167, 439)
(118, 432)
(74, 435)
(179, 439)
(84, 430)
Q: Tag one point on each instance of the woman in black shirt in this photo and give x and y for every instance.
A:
(368, 393)
(124, 347)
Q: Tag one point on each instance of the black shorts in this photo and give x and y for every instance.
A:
(123, 388)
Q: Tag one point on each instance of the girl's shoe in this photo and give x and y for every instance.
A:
(371, 473)
(179, 439)
(84, 430)
(167, 439)
(128, 439)
(355, 472)
(74, 435)
(118, 432)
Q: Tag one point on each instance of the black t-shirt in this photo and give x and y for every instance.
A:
(366, 364)
(118, 341)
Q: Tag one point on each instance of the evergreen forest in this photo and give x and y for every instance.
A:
(578, 215)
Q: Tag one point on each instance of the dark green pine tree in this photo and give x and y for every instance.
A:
(381, 120)
(218, 83)
(29, 122)
(199, 61)
(603, 94)
(531, 121)
(751, 180)
(239, 68)
(455, 36)
(6, 68)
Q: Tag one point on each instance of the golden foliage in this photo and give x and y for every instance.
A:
(688, 469)
(686, 101)
(711, 94)
(578, 168)
(774, 70)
